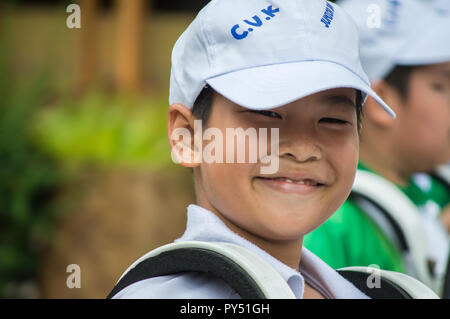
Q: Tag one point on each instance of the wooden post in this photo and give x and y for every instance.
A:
(129, 37)
(88, 44)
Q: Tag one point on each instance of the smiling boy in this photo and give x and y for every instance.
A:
(273, 65)
(318, 146)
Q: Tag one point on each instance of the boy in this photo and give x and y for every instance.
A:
(408, 64)
(289, 66)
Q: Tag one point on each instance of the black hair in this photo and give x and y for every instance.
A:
(399, 78)
(359, 108)
(203, 105)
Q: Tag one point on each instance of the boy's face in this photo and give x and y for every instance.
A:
(424, 118)
(318, 154)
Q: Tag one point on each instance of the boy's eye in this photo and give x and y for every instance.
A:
(268, 114)
(332, 120)
(438, 87)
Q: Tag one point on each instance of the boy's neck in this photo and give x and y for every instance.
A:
(288, 252)
(385, 165)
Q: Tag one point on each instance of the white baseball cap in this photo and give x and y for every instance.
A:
(442, 6)
(400, 32)
(263, 54)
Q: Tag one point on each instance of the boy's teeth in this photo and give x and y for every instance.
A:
(302, 182)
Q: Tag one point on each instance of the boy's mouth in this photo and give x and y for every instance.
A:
(297, 185)
(307, 181)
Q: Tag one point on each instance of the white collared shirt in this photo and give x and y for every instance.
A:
(203, 225)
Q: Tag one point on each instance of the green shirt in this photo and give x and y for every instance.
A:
(423, 188)
(351, 238)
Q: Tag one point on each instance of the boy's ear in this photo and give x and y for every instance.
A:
(377, 115)
(181, 136)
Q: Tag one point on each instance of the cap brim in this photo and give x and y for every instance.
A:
(432, 46)
(272, 86)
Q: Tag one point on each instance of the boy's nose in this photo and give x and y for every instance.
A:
(301, 151)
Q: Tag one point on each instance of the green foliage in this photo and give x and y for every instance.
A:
(29, 179)
(107, 131)
(39, 141)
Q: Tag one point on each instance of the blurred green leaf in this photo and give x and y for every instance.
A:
(28, 176)
(107, 131)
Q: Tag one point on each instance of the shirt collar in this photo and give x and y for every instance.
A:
(203, 225)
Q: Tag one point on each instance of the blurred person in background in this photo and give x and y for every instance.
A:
(405, 50)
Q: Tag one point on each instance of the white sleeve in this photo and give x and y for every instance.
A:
(188, 285)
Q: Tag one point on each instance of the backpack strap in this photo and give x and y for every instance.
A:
(250, 275)
(446, 287)
(243, 270)
(442, 174)
(381, 200)
(391, 285)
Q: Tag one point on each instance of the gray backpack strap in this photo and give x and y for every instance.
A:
(250, 275)
(446, 287)
(384, 284)
(399, 218)
(442, 173)
(243, 270)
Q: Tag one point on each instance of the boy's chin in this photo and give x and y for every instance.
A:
(287, 223)
(283, 234)
(290, 207)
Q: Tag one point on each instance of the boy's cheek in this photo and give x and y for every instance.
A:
(225, 177)
(347, 164)
(432, 145)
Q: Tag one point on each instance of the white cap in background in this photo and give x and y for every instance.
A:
(400, 32)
